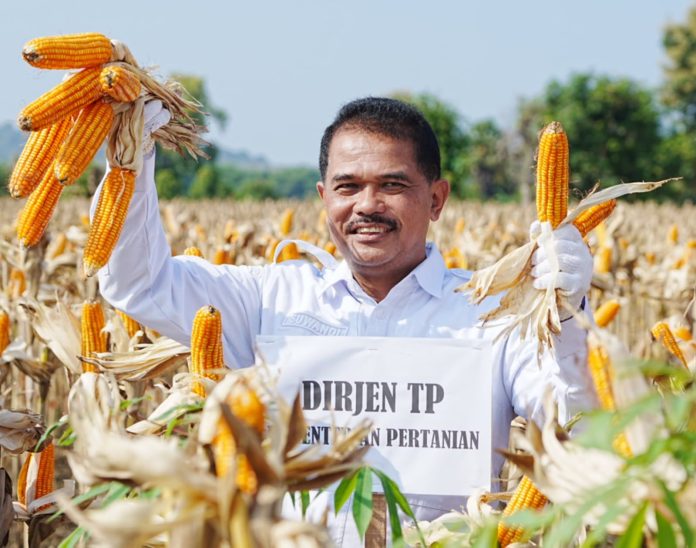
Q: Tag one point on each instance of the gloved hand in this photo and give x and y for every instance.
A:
(574, 261)
(155, 116)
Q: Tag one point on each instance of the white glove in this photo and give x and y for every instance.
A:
(155, 116)
(574, 264)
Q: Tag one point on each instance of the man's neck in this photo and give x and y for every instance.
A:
(377, 284)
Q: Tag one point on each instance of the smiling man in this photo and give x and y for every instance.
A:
(381, 186)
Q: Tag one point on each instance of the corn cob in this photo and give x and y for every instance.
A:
(82, 143)
(526, 495)
(120, 84)
(206, 346)
(65, 99)
(603, 260)
(109, 217)
(460, 226)
(70, 51)
(193, 251)
(590, 218)
(230, 234)
(673, 234)
(37, 156)
(4, 331)
(286, 221)
(684, 333)
(602, 372)
(38, 209)
(57, 247)
(245, 405)
(662, 333)
(94, 338)
(604, 315)
(17, 283)
(221, 256)
(289, 253)
(132, 327)
(30, 489)
(553, 175)
(330, 247)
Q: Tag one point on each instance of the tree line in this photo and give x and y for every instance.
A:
(619, 130)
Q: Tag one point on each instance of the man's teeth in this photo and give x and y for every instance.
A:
(371, 230)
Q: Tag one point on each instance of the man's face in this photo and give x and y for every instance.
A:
(378, 202)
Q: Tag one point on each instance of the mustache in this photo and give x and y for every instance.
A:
(371, 219)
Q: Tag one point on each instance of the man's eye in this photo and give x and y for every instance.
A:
(346, 187)
(393, 185)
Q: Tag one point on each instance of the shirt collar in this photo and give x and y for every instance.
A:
(429, 274)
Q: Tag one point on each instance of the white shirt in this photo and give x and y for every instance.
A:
(297, 298)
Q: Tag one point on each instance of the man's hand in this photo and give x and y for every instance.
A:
(155, 116)
(574, 264)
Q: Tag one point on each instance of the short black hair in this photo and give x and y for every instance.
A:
(391, 118)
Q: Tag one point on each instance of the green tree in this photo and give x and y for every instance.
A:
(168, 184)
(679, 90)
(206, 183)
(185, 167)
(257, 189)
(488, 160)
(451, 135)
(613, 125)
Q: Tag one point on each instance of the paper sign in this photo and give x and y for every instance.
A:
(429, 400)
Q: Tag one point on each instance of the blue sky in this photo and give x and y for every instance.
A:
(281, 69)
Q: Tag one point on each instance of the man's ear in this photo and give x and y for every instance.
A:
(320, 189)
(439, 191)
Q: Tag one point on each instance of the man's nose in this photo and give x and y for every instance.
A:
(370, 200)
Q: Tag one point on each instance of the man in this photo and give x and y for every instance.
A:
(381, 186)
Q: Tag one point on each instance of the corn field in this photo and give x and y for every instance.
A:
(138, 441)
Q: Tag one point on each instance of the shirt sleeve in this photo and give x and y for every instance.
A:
(164, 293)
(564, 370)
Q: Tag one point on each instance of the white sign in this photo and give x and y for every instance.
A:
(429, 400)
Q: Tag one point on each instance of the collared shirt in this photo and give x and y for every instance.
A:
(298, 298)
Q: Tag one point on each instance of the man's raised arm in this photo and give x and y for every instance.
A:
(163, 292)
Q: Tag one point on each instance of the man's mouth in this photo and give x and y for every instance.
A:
(380, 225)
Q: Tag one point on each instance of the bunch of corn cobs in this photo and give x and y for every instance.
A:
(103, 100)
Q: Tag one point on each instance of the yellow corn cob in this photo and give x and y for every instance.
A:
(57, 247)
(245, 405)
(603, 260)
(221, 256)
(601, 372)
(673, 234)
(4, 331)
(662, 333)
(94, 338)
(107, 223)
(65, 99)
(525, 496)
(206, 346)
(684, 333)
(460, 226)
(17, 283)
(45, 476)
(132, 327)
(37, 156)
(193, 251)
(330, 247)
(590, 218)
(120, 84)
(269, 253)
(606, 313)
(286, 221)
(321, 222)
(84, 220)
(70, 51)
(38, 209)
(289, 253)
(553, 175)
(82, 143)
